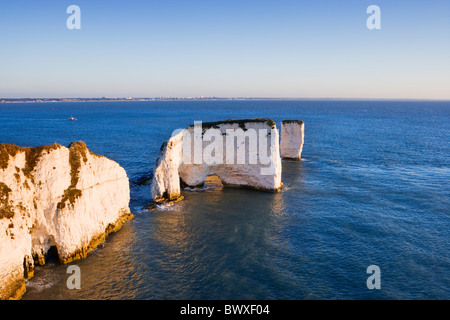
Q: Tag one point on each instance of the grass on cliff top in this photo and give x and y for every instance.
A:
(5, 209)
(241, 123)
(77, 152)
(292, 121)
(32, 156)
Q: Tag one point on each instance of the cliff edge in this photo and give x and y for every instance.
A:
(66, 199)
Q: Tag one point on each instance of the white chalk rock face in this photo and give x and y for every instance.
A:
(292, 138)
(53, 196)
(242, 153)
(166, 180)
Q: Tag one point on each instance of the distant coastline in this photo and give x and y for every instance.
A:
(106, 99)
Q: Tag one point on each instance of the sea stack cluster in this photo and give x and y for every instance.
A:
(65, 200)
(176, 165)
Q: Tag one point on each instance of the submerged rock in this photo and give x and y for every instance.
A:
(53, 197)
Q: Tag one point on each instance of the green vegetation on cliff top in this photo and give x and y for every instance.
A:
(77, 152)
(32, 156)
(241, 123)
(5, 209)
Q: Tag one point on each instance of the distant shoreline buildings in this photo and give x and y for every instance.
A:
(105, 99)
(16, 100)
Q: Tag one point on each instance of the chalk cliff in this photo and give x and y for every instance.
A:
(292, 138)
(53, 196)
(242, 153)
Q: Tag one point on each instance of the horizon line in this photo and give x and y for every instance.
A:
(162, 98)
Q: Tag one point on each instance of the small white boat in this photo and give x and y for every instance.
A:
(73, 119)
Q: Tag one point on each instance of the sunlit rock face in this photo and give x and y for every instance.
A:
(292, 138)
(53, 196)
(241, 153)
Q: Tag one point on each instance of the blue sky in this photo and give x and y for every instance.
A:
(282, 48)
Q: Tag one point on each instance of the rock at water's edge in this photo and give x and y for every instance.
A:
(292, 138)
(53, 196)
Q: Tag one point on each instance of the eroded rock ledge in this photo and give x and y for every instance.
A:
(55, 197)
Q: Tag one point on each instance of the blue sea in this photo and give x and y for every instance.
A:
(373, 189)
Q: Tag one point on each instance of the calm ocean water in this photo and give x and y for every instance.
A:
(374, 188)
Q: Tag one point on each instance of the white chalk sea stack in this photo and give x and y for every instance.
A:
(292, 138)
(53, 196)
(191, 155)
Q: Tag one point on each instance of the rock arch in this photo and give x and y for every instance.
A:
(241, 153)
